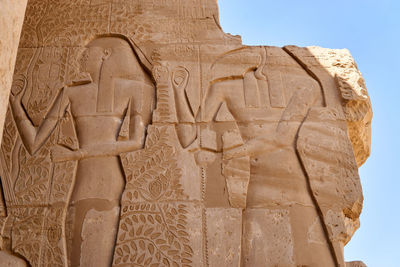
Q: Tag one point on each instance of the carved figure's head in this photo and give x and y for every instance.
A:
(113, 57)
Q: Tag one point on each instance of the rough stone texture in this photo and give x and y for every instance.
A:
(355, 264)
(11, 18)
(278, 251)
(140, 134)
(224, 236)
(355, 100)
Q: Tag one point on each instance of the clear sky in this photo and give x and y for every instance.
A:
(370, 29)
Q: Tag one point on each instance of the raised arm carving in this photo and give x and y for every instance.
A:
(34, 137)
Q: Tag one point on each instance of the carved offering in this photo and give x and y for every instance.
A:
(140, 134)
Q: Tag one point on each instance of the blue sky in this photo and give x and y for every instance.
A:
(371, 31)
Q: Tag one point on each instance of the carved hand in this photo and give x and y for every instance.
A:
(253, 147)
(16, 95)
(61, 154)
(16, 99)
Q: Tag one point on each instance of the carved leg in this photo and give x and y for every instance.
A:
(283, 237)
(311, 247)
(92, 229)
(267, 238)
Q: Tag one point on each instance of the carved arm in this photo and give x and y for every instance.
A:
(34, 137)
(60, 153)
(286, 131)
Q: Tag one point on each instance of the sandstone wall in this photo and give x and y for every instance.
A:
(141, 126)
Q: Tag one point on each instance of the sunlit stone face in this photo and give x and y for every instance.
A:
(176, 145)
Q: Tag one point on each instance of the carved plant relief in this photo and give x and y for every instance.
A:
(140, 134)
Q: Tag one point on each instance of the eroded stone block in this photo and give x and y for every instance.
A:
(224, 236)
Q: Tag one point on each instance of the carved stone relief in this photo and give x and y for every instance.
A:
(139, 134)
(11, 20)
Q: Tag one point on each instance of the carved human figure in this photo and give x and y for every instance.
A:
(280, 214)
(110, 111)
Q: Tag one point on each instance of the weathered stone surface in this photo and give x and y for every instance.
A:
(140, 134)
(279, 249)
(353, 93)
(224, 233)
(355, 264)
